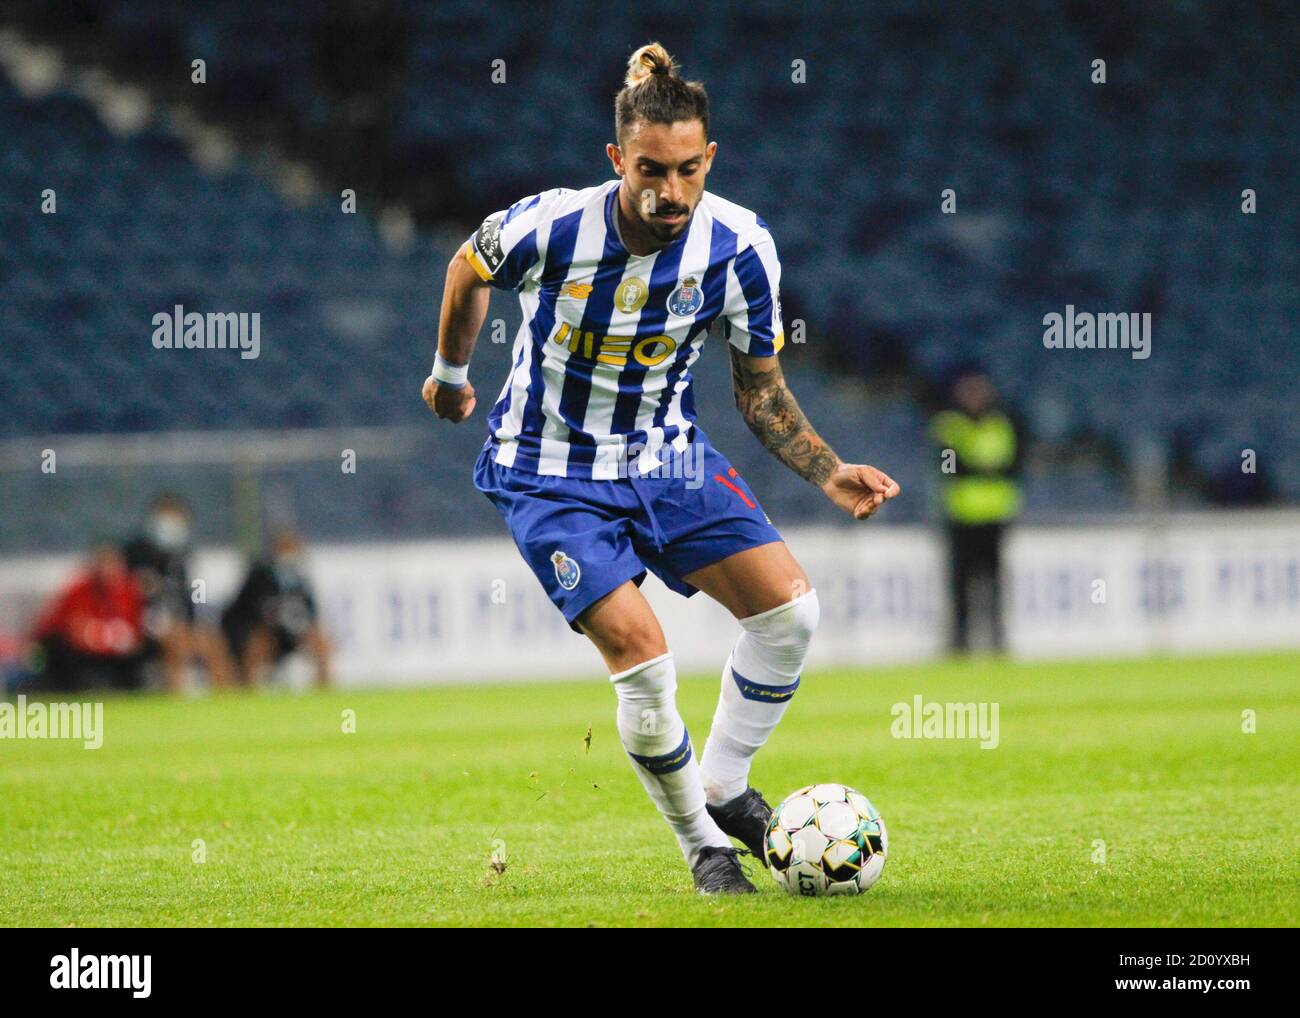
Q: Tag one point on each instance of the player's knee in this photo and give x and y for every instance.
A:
(625, 643)
(772, 648)
(791, 625)
(647, 706)
(651, 683)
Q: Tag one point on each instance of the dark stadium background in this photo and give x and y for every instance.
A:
(1123, 196)
(227, 195)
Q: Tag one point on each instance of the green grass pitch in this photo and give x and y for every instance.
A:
(303, 824)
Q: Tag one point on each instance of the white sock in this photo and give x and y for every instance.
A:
(656, 739)
(758, 681)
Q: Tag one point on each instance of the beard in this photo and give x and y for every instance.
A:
(632, 210)
(667, 230)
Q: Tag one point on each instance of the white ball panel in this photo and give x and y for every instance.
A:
(796, 812)
(809, 843)
(828, 792)
(805, 878)
(837, 820)
(871, 871)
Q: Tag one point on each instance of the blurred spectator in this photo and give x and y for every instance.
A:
(979, 459)
(274, 615)
(91, 634)
(159, 560)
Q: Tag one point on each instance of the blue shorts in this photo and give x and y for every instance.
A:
(583, 538)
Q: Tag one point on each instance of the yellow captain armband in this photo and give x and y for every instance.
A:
(476, 262)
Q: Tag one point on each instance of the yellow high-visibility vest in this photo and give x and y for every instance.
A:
(981, 491)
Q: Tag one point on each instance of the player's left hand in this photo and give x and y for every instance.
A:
(449, 404)
(859, 489)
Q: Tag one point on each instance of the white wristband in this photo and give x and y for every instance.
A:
(454, 376)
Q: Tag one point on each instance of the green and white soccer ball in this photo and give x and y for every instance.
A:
(826, 839)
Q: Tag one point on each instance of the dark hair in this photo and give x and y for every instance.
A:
(653, 92)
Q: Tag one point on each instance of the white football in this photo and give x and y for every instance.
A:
(826, 839)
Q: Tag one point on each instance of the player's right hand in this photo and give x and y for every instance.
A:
(447, 403)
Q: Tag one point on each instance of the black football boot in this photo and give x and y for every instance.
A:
(745, 818)
(717, 871)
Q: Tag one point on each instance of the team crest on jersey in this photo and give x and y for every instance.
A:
(631, 295)
(687, 299)
(567, 571)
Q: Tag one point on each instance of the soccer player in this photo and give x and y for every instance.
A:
(594, 459)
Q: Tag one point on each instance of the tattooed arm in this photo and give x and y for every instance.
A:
(773, 415)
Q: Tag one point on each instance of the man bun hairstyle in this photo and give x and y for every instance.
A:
(653, 92)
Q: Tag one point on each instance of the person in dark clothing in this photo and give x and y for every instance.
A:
(274, 614)
(979, 460)
(90, 636)
(159, 559)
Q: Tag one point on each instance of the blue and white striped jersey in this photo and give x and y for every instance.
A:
(602, 361)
